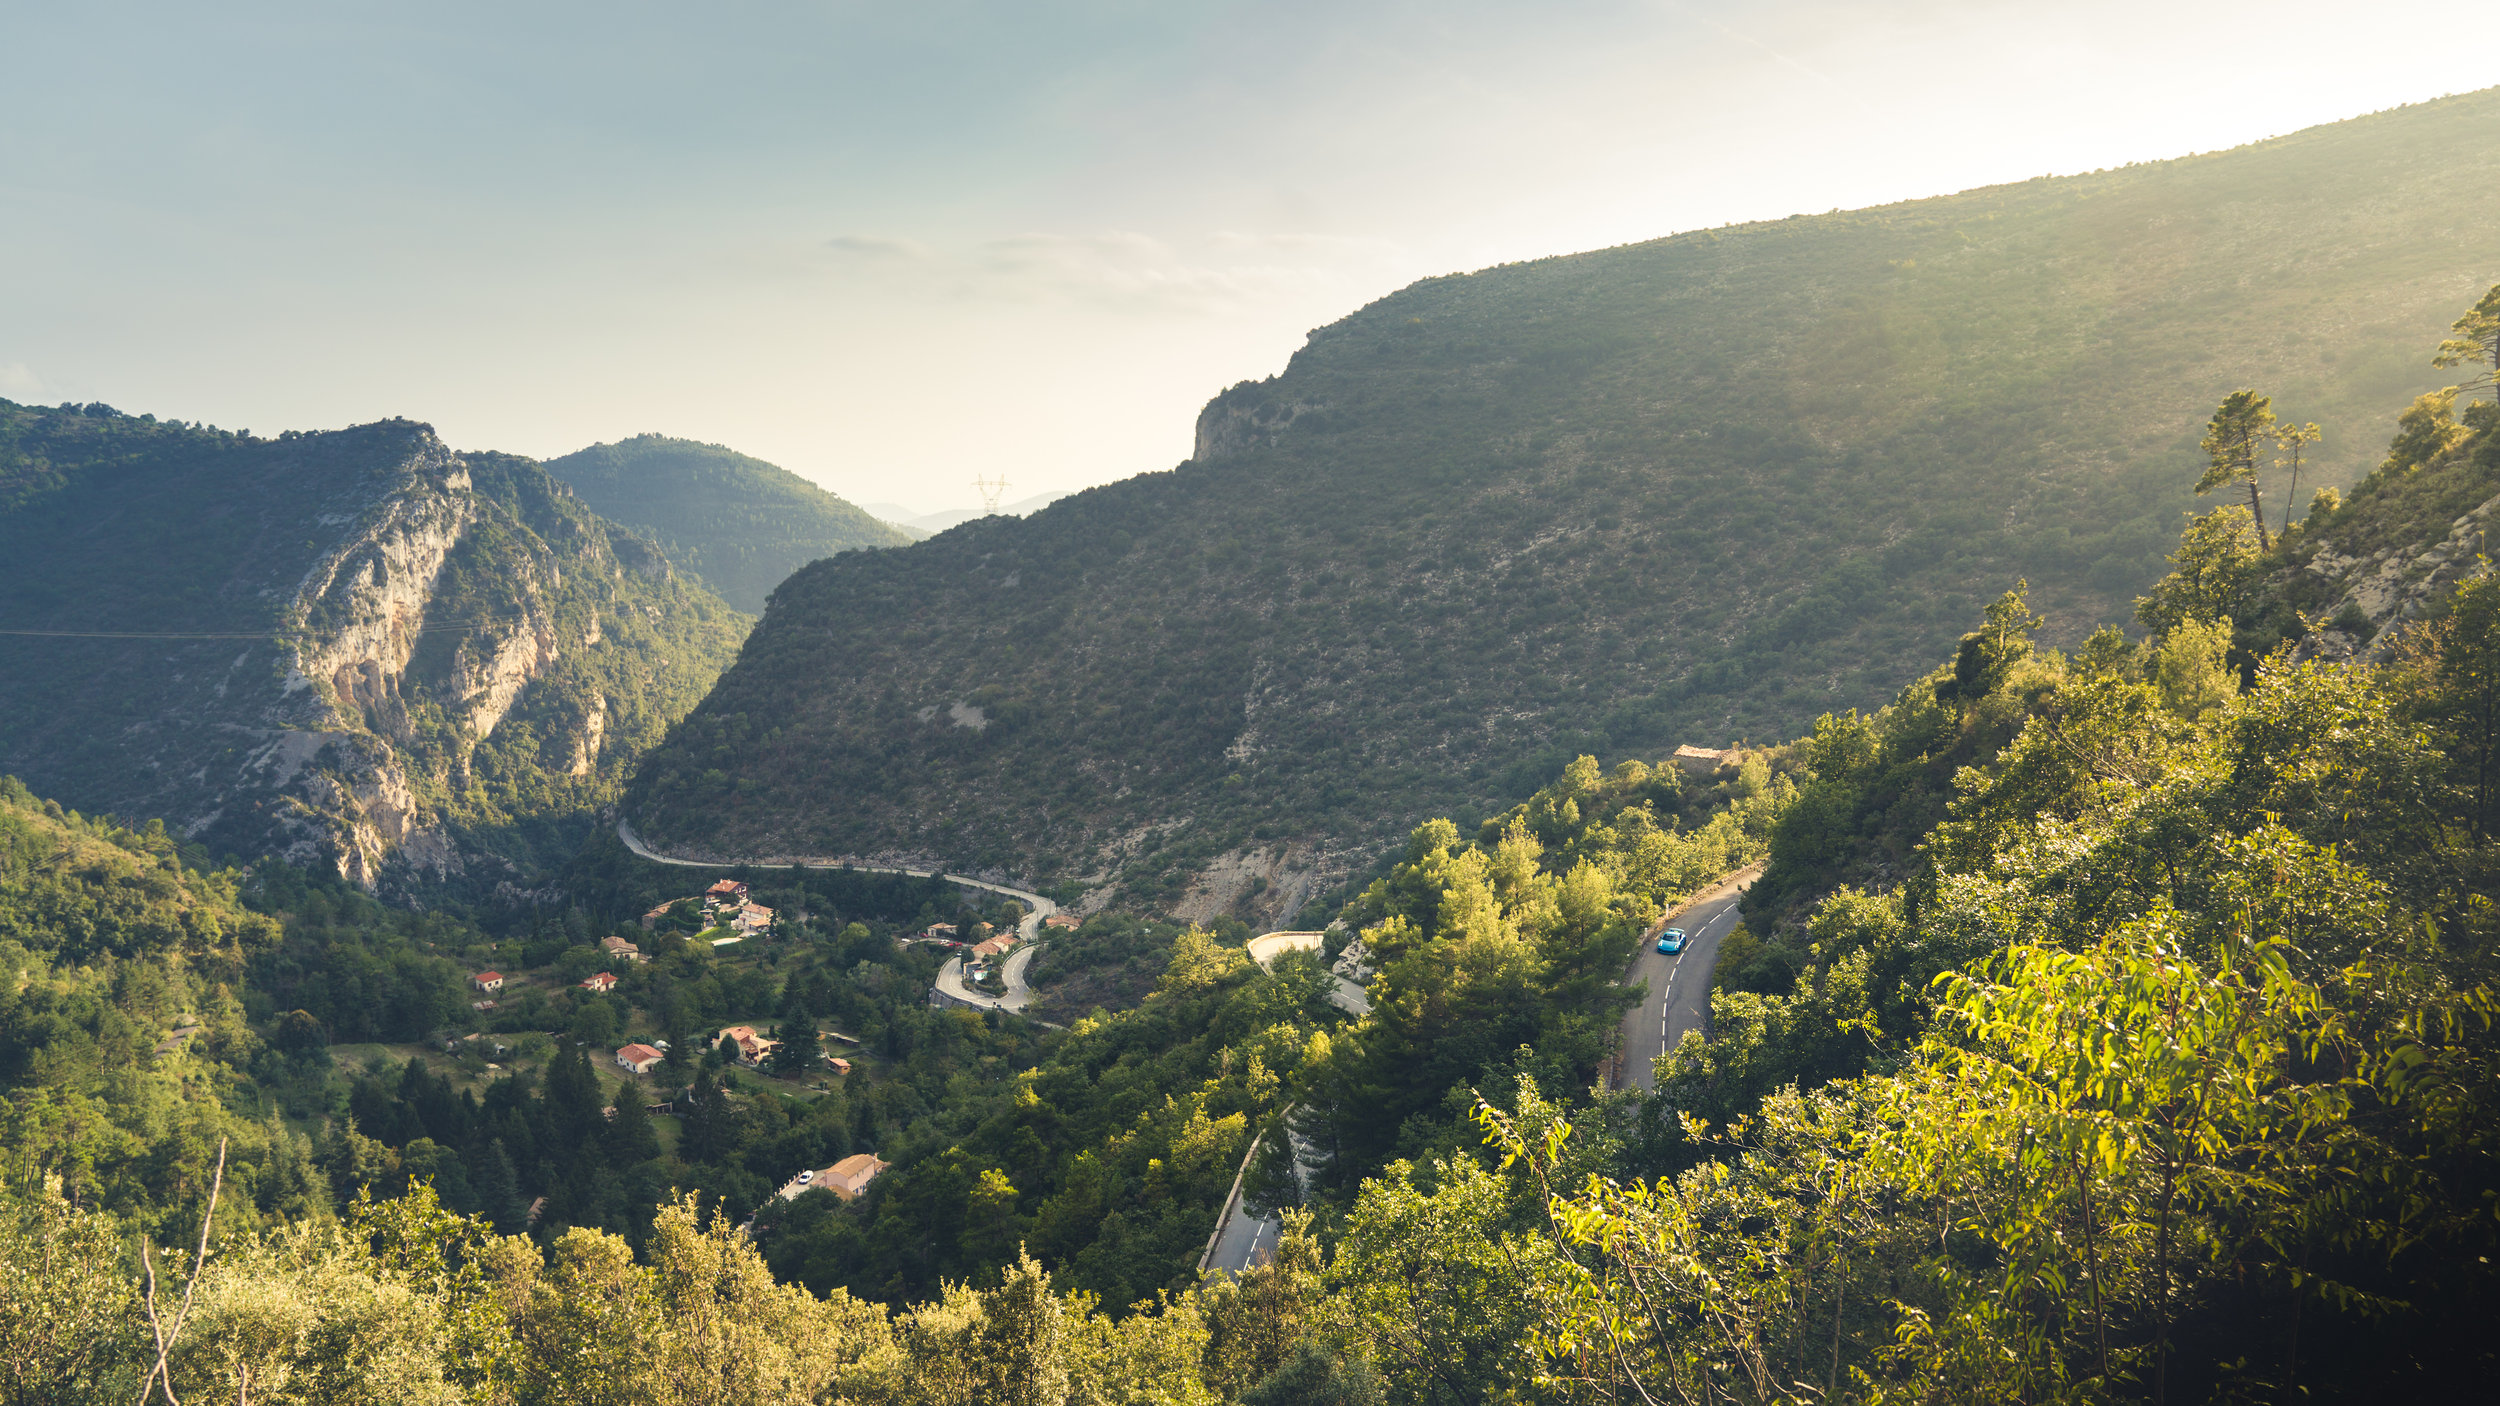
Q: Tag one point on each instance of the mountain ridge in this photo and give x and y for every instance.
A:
(371, 653)
(739, 524)
(1691, 490)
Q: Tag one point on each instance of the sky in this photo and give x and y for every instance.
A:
(895, 247)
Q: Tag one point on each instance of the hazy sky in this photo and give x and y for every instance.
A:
(890, 246)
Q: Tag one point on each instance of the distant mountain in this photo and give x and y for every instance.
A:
(1693, 490)
(356, 649)
(739, 524)
(930, 524)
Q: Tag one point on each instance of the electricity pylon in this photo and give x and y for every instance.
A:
(990, 490)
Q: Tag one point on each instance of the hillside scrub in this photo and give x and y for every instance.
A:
(1695, 490)
(738, 524)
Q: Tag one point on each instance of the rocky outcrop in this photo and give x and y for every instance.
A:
(425, 609)
(1266, 885)
(2375, 596)
(1249, 415)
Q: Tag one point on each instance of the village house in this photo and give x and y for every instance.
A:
(727, 894)
(992, 946)
(1701, 761)
(838, 1064)
(1067, 921)
(753, 1049)
(487, 981)
(619, 947)
(638, 1058)
(753, 919)
(603, 983)
(846, 1178)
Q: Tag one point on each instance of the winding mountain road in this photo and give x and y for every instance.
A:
(1678, 999)
(950, 979)
(1348, 996)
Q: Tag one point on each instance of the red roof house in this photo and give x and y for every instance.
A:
(753, 1049)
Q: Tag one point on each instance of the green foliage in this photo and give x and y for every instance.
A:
(1603, 503)
(739, 524)
(2211, 572)
(126, 1053)
(2427, 430)
(1108, 1157)
(1111, 962)
(1499, 958)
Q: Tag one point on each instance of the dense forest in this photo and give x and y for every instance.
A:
(1696, 490)
(738, 524)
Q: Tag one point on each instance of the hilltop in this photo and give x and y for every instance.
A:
(1694, 490)
(355, 649)
(740, 525)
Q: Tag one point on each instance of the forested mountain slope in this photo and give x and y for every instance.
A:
(1690, 490)
(357, 649)
(739, 524)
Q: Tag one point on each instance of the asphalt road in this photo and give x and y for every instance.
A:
(1246, 1240)
(1678, 998)
(950, 982)
(1348, 996)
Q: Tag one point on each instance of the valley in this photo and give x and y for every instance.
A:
(1203, 937)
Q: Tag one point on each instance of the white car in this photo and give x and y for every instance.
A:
(807, 1176)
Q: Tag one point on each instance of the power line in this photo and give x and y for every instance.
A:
(277, 633)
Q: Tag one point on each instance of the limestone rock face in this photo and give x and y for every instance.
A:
(435, 650)
(2394, 586)
(1249, 416)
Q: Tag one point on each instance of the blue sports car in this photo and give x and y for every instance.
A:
(1671, 941)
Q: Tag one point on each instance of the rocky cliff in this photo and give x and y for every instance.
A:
(354, 649)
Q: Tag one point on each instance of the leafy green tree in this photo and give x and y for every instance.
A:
(1989, 653)
(65, 1304)
(573, 1100)
(1441, 1297)
(2192, 668)
(594, 1022)
(2426, 430)
(2240, 427)
(712, 1131)
(2459, 654)
(2210, 572)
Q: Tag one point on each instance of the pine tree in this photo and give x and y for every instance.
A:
(799, 1050)
(2477, 343)
(573, 1101)
(2242, 423)
(498, 1188)
(630, 1136)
